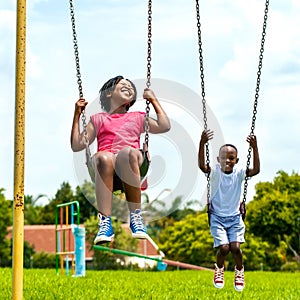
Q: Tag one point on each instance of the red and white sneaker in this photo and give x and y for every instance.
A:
(239, 280)
(219, 277)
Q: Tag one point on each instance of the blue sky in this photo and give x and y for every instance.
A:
(112, 37)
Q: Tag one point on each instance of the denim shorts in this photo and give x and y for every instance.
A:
(227, 229)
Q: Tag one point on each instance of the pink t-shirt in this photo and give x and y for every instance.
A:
(116, 131)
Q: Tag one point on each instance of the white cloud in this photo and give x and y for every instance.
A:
(112, 41)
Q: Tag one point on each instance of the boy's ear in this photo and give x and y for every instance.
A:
(237, 160)
(218, 159)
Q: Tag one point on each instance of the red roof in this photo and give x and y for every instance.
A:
(42, 238)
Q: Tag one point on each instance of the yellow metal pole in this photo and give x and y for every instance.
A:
(18, 214)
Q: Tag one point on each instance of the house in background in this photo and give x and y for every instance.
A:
(43, 239)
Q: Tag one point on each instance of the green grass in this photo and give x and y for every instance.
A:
(45, 285)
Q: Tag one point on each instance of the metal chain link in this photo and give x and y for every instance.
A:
(256, 94)
(203, 96)
(148, 83)
(78, 74)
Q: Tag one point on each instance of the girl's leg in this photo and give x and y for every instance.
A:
(104, 172)
(128, 169)
(221, 255)
(237, 254)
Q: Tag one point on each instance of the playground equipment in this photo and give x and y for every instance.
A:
(161, 263)
(70, 239)
(19, 153)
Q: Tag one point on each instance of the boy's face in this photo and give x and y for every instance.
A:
(227, 159)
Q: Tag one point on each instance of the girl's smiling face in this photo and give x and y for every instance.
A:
(122, 96)
(227, 158)
(125, 89)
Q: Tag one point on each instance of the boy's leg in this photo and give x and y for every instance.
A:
(218, 231)
(236, 232)
(239, 279)
(223, 251)
(218, 281)
(236, 236)
(237, 254)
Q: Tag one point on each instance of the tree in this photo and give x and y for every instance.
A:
(274, 213)
(63, 195)
(85, 195)
(188, 240)
(5, 221)
(32, 210)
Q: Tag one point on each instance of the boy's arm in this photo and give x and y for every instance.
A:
(205, 137)
(251, 139)
(162, 124)
(77, 138)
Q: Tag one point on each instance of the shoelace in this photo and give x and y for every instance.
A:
(239, 277)
(219, 274)
(104, 225)
(137, 221)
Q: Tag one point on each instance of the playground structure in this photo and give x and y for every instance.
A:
(70, 245)
(161, 262)
(70, 240)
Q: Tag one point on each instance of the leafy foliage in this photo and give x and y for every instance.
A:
(188, 240)
(32, 210)
(63, 195)
(274, 213)
(5, 221)
(85, 195)
(272, 225)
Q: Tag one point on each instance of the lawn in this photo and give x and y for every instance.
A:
(45, 285)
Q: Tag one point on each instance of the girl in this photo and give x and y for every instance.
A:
(118, 149)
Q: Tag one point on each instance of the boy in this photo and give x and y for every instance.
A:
(226, 223)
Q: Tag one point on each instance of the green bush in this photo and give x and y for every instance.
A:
(291, 266)
(43, 260)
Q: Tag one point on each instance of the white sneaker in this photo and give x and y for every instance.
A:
(239, 280)
(219, 277)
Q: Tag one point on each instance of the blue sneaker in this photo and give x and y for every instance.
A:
(137, 226)
(105, 233)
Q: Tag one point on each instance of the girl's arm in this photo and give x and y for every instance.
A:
(77, 138)
(162, 124)
(251, 139)
(205, 137)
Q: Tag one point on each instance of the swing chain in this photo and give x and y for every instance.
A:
(78, 73)
(256, 94)
(203, 97)
(148, 83)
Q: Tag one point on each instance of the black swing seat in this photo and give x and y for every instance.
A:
(117, 182)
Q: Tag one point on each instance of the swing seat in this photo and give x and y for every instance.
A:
(118, 184)
(144, 184)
